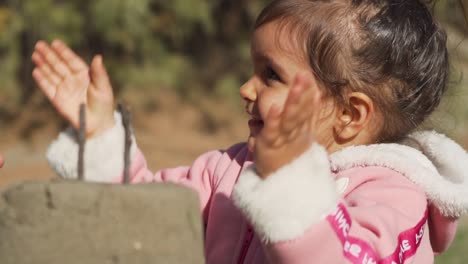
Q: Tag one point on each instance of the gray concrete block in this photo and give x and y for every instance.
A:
(72, 222)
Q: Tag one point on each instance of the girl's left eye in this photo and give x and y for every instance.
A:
(270, 74)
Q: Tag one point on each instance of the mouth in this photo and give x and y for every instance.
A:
(255, 124)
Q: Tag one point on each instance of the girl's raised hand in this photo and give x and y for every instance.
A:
(288, 132)
(67, 81)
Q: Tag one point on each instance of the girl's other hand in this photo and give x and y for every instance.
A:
(67, 81)
(288, 132)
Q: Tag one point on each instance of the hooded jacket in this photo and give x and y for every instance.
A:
(383, 203)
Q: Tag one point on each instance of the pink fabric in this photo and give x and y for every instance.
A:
(442, 228)
(381, 206)
(358, 251)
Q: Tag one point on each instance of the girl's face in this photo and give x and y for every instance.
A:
(277, 61)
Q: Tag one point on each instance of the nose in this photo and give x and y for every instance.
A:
(248, 90)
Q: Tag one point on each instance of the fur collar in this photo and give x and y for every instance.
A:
(431, 160)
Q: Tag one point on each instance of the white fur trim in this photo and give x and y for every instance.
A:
(284, 205)
(103, 155)
(434, 162)
(342, 184)
(448, 157)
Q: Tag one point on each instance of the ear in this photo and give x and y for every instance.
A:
(354, 119)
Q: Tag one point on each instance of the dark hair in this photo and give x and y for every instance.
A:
(392, 50)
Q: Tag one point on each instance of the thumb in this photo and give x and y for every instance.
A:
(99, 76)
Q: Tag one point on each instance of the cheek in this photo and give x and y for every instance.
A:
(324, 127)
(270, 98)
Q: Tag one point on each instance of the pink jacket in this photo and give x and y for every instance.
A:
(364, 204)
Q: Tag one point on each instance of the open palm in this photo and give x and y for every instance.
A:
(67, 82)
(289, 132)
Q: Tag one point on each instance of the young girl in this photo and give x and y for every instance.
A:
(331, 171)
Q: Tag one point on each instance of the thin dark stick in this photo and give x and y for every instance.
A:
(81, 142)
(127, 121)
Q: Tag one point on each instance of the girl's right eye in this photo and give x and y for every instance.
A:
(271, 75)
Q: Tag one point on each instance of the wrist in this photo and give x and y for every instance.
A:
(104, 126)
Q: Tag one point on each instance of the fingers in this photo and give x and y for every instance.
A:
(42, 80)
(99, 75)
(274, 135)
(46, 70)
(300, 112)
(271, 132)
(70, 58)
(301, 105)
(49, 58)
(56, 63)
(57, 60)
(295, 103)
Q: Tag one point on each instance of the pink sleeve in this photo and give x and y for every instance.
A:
(303, 218)
(199, 176)
(443, 230)
(363, 228)
(202, 175)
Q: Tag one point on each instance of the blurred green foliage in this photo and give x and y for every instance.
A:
(186, 45)
(190, 46)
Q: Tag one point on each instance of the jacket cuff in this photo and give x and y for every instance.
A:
(287, 203)
(103, 154)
